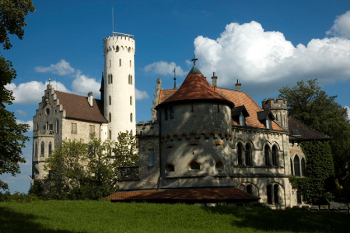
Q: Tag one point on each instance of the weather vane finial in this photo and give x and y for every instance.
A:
(194, 59)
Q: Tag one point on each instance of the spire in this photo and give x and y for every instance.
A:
(175, 78)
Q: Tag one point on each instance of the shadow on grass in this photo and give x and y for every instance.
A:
(14, 222)
(263, 218)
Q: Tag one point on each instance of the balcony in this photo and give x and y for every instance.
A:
(43, 133)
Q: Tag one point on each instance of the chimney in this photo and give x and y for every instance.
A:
(238, 86)
(214, 80)
(90, 99)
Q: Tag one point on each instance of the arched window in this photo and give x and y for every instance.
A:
(248, 155)
(129, 49)
(109, 100)
(303, 167)
(267, 155)
(117, 49)
(109, 117)
(130, 100)
(249, 189)
(219, 166)
(240, 154)
(36, 149)
(272, 194)
(150, 156)
(194, 165)
(130, 117)
(169, 168)
(50, 148)
(296, 166)
(274, 156)
(42, 149)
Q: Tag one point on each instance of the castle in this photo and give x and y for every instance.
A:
(200, 135)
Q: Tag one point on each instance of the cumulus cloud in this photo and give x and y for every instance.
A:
(61, 68)
(83, 85)
(348, 109)
(265, 61)
(31, 92)
(20, 112)
(341, 26)
(164, 68)
(30, 123)
(139, 95)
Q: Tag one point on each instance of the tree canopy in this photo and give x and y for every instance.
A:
(12, 15)
(313, 107)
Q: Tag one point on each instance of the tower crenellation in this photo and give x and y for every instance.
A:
(279, 109)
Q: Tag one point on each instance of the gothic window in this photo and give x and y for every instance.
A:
(169, 168)
(240, 154)
(47, 111)
(219, 166)
(74, 128)
(172, 112)
(296, 166)
(130, 117)
(109, 100)
(150, 156)
(249, 189)
(42, 149)
(274, 156)
(194, 165)
(303, 167)
(36, 149)
(248, 155)
(272, 192)
(267, 155)
(50, 148)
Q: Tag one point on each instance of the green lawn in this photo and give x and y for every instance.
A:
(103, 216)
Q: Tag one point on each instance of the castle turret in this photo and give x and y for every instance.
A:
(279, 109)
(119, 83)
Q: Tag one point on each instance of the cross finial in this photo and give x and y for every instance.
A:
(175, 78)
(194, 59)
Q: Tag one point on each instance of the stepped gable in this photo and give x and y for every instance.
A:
(78, 107)
(195, 87)
(300, 131)
(239, 99)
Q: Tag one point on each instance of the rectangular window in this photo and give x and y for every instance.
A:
(109, 100)
(110, 134)
(57, 126)
(172, 112)
(151, 157)
(130, 100)
(50, 126)
(74, 128)
(92, 129)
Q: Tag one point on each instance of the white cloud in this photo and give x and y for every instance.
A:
(348, 109)
(164, 68)
(30, 123)
(61, 68)
(31, 92)
(20, 112)
(266, 61)
(83, 85)
(341, 26)
(139, 95)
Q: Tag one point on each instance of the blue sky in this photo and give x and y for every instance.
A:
(265, 44)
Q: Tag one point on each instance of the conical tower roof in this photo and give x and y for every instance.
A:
(195, 88)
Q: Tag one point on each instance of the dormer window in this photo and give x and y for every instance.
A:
(239, 115)
(266, 117)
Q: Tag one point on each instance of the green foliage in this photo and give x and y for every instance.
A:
(12, 139)
(86, 171)
(12, 15)
(312, 106)
(125, 150)
(18, 197)
(102, 216)
(320, 179)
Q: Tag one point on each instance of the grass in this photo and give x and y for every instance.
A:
(103, 216)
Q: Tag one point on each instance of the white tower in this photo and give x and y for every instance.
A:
(119, 84)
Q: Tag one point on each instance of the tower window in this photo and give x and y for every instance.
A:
(110, 78)
(109, 117)
(110, 134)
(50, 148)
(130, 117)
(117, 49)
(120, 62)
(130, 79)
(130, 63)
(57, 126)
(150, 156)
(42, 149)
(109, 100)
(36, 149)
(130, 100)
(240, 154)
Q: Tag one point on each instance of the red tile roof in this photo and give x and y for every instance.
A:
(303, 132)
(77, 107)
(195, 87)
(185, 195)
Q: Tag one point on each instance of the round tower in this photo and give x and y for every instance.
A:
(119, 84)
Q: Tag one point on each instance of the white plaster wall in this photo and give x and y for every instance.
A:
(120, 90)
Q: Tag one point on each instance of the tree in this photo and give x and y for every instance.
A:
(12, 14)
(125, 150)
(313, 107)
(319, 183)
